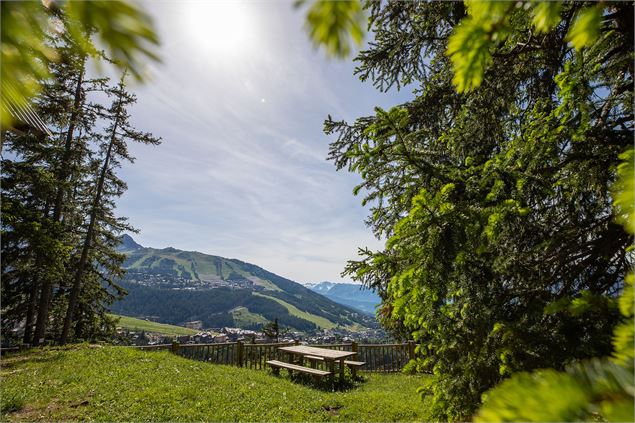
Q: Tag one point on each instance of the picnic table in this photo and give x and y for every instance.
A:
(329, 356)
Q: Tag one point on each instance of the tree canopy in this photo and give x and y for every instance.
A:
(119, 26)
(59, 227)
(493, 185)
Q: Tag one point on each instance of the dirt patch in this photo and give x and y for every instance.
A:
(34, 413)
(80, 404)
(333, 410)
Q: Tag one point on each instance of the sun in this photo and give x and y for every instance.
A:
(218, 27)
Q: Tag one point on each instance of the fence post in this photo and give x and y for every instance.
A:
(296, 342)
(354, 346)
(175, 347)
(411, 350)
(239, 353)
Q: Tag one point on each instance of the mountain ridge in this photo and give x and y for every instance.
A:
(352, 295)
(177, 286)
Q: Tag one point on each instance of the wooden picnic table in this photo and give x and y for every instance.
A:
(328, 355)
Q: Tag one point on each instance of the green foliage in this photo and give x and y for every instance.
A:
(586, 27)
(469, 47)
(586, 390)
(123, 28)
(624, 191)
(243, 318)
(335, 25)
(624, 334)
(488, 24)
(272, 330)
(58, 192)
(598, 387)
(11, 404)
(123, 384)
(24, 55)
(316, 320)
(546, 15)
(503, 255)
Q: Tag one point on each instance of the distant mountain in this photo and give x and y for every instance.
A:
(174, 286)
(351, 295)
(128, 244)
(321, 287)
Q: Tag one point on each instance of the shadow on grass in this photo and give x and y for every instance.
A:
(22, 358)
(325, 384)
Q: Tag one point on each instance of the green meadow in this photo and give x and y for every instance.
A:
(105, 383)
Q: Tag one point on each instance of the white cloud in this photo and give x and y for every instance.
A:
(242, 170)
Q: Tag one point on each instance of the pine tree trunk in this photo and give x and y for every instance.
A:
(30, 312)
(35, 283)
(81, 266)
(47, 284)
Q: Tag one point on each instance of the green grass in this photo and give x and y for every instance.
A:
(320, 321)
(124, 384)
(243, 317)
(138, 325)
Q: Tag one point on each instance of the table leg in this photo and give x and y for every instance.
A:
(290, 360)
(331, 364)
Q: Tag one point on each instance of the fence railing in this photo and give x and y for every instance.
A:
(385, 357)
(378, 357)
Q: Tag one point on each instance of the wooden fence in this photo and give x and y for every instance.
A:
(378, 357)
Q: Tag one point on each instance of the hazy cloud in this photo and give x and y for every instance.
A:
(242, 171)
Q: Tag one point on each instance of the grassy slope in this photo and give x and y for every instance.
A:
(243, 317)
(124, 384)
(138, 325)
(203, 265)
(294, 311)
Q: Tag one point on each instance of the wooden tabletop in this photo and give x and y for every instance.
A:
(325, 353)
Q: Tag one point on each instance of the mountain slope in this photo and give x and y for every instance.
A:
(348, 294)
(139, 325)
(175, 286)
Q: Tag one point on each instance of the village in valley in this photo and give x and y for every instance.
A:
(232, 334)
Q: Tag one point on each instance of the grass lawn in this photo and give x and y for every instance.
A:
(138, 325)
(124, 384)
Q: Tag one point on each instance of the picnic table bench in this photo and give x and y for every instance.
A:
(276, 365)
(314, 354)
(353, 365)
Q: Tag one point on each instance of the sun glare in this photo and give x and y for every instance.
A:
(217, 27)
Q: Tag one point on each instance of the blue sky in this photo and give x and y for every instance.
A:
(239, 101)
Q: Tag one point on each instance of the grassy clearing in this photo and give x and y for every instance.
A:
(138, 325)
(243, 317)
(320, 321)
(124, 384)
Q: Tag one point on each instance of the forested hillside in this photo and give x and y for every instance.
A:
(177, 286)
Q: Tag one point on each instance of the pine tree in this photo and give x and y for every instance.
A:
(66, 107)
(59, 229)
(503, 254)
(107, 185)
(272, 330)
